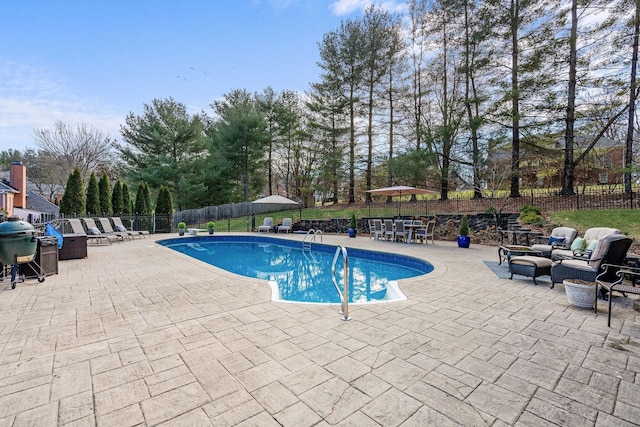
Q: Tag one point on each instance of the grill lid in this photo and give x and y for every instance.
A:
(15, 227)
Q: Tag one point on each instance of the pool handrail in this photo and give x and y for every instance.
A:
(313, 233)
(344, 297)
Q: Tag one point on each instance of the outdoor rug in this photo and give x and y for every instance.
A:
(502, 271)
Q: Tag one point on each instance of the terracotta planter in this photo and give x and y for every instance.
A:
(580, 293)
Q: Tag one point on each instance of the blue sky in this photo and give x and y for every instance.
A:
(95, 61)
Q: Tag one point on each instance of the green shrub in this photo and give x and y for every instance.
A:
(531, 215)
(354, 224)
(182, 225)
(463, 230)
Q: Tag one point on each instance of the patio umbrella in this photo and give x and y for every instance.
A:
(275, 200)
(400, 190)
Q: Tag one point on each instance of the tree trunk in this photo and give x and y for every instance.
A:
(628, 157)
(515, 101)
(569, 164)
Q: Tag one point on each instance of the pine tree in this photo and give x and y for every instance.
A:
(116, 198)
(147, 198)
(164, 203)
(141, 206)
(93, 196)
(105, 195)
(73, 200)
(126, 200)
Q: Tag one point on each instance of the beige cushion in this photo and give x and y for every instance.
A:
(598, 233)
(529, 260)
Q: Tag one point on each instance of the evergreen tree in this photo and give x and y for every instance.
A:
(341, 64)
(164, 203)
(166, 146)
(93, 196)
(147, 198)
(126, 200)
(239, 140)
(116, 198)
(73, 200)
(141, 205)
(104, 186)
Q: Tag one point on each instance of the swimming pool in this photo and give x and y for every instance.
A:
(297, 275)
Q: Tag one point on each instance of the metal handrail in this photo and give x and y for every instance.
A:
(313, 233)
(344, 297)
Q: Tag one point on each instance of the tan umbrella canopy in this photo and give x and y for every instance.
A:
(275, 200)
(400, 190)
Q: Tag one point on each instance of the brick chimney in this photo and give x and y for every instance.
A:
(18, 178)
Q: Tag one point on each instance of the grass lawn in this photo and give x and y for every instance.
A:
(626, 220)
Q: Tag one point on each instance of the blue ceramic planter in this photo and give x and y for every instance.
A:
(464, 241)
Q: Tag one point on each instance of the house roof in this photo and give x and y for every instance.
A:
(6, 188)
(38, 203)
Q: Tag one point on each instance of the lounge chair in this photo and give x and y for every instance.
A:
(611, 249)
(117, 223)
(584, 244)
(93, 230)
(77, 228)
(267, 225)
(560, 238)
(287, 226)
(106, 227)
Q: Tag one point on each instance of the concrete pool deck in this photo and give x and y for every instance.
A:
(138, 334)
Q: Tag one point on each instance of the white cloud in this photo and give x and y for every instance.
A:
(345, 7)
(32, 98)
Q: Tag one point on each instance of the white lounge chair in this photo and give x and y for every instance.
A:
(287, 226)
(267, 225)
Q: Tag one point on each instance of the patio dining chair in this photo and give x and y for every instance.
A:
(427, 232)
(389, 230)
(400, 232)
(615, 278)
(378, 229)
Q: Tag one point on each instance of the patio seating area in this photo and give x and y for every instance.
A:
(138, 334)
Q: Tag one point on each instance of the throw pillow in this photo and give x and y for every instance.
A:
(555, 240)
(121, 228)
(578, 244)
(93, 231)
(592, 245)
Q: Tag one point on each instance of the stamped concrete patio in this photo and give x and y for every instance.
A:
(137, 334)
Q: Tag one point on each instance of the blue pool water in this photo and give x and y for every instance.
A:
(304, 276)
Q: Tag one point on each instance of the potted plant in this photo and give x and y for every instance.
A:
(580, 293)
(353, 227)
(463, 233)
(182, 226)
(211, 227)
